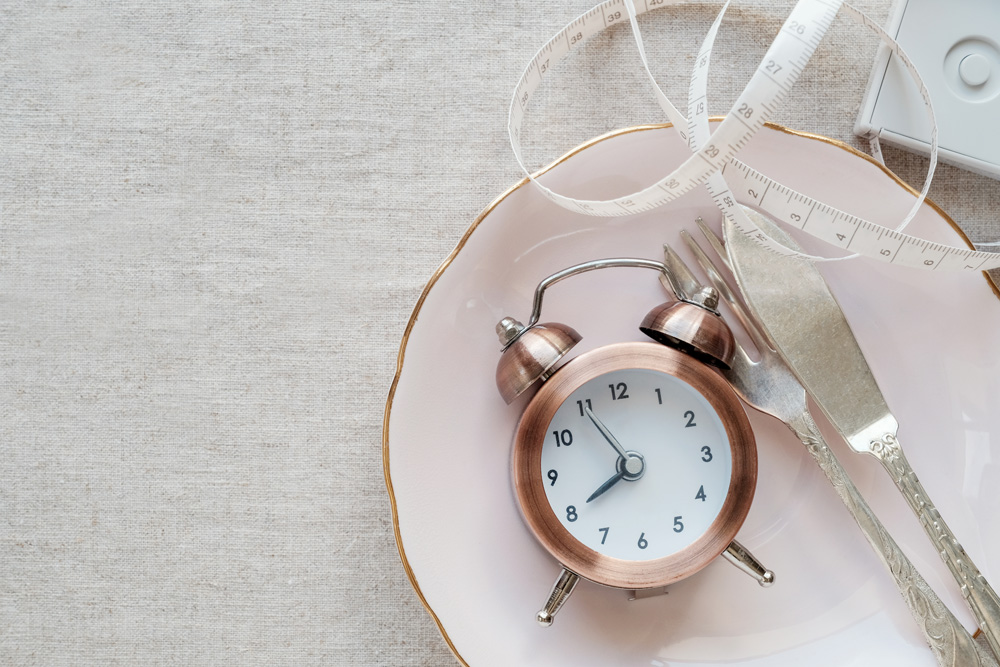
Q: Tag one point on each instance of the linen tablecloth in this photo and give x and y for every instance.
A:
(215, 219)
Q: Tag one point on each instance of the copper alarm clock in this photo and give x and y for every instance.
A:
(634, 464)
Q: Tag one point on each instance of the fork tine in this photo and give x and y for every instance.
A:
(735, 304)
(714, 241)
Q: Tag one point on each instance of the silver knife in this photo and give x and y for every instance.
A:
(768, 385)
(792, 302)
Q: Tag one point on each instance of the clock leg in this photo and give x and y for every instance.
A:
(737, 554)
(560, 593)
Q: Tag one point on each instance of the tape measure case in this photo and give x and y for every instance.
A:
(954, 46)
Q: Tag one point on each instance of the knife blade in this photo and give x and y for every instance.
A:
(807, 327)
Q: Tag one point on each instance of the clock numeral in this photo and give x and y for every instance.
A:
(642, 543)
(563, 438)
(553, 475)
(659, 396)
(690, 417)
(706, 452)
(571, 514)
(698, 496)
(605, 531)
(580, 405)
(678, 524)
(618, 391)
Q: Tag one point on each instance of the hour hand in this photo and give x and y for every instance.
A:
(608, 484)
(612, 440)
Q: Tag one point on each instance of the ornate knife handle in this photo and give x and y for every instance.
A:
(949, 641)
(978, 593)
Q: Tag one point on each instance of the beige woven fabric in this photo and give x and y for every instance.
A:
(215, 218)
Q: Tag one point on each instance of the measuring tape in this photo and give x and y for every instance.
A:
(713, 160)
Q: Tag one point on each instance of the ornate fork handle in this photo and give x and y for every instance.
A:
(981, 597)
(769, 386)
(948, 639)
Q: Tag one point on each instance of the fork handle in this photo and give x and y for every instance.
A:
(947, 637)
(978, 593)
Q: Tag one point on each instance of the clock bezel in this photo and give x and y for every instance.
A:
(529, 484)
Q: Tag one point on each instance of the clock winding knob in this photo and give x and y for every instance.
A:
(708, 298)
(508, 329)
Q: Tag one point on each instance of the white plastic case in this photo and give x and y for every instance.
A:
(956, 48)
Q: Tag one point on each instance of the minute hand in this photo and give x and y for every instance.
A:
(606, 433)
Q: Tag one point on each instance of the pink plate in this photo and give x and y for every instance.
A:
(930, 338)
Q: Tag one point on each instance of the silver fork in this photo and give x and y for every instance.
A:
(769, 386)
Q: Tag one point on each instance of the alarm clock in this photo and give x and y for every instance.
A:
(634, 464)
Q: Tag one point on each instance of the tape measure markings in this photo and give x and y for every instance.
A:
(773, 79)
(717, 185)
(794, 218)
(679, 182)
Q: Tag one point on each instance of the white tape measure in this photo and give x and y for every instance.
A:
(713, 162)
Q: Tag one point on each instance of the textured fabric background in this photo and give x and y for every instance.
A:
(215, 219)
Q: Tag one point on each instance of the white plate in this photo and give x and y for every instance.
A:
(931, 340)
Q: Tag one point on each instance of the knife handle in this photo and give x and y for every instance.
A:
(978, 593)
(947, 637)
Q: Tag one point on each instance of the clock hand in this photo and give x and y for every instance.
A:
(630, 464)
(618, 476)
(630, 469)
(606, 433)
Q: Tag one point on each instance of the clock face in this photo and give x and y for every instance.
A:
(671, 486)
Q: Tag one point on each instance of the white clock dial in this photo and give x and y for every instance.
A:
(666, 497)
